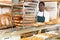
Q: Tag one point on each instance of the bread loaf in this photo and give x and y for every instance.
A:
(36, 38)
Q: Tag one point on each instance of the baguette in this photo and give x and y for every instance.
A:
(3, 23)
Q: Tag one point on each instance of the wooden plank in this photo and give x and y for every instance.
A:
(49, 0)
(6, 1)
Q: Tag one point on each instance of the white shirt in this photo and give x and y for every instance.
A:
(46, 15)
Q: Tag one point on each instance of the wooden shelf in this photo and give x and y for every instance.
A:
(6, 27)
(4, 4)
(58, 0)
(19, 31)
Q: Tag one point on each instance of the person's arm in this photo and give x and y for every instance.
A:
(47, 18)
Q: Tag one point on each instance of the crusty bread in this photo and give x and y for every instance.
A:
(25, 39)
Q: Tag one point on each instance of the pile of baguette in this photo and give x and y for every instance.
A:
(6, 19)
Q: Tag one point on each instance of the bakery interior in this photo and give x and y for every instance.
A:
(18, 20)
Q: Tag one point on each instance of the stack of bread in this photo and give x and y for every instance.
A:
(17, 17)
(17, 20)
(29, 18)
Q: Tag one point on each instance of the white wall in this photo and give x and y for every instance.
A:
(4, 10)
(53, 10)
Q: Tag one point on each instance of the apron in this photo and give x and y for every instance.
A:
(41, 18)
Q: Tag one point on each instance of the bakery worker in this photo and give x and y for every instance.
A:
(42, 14)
